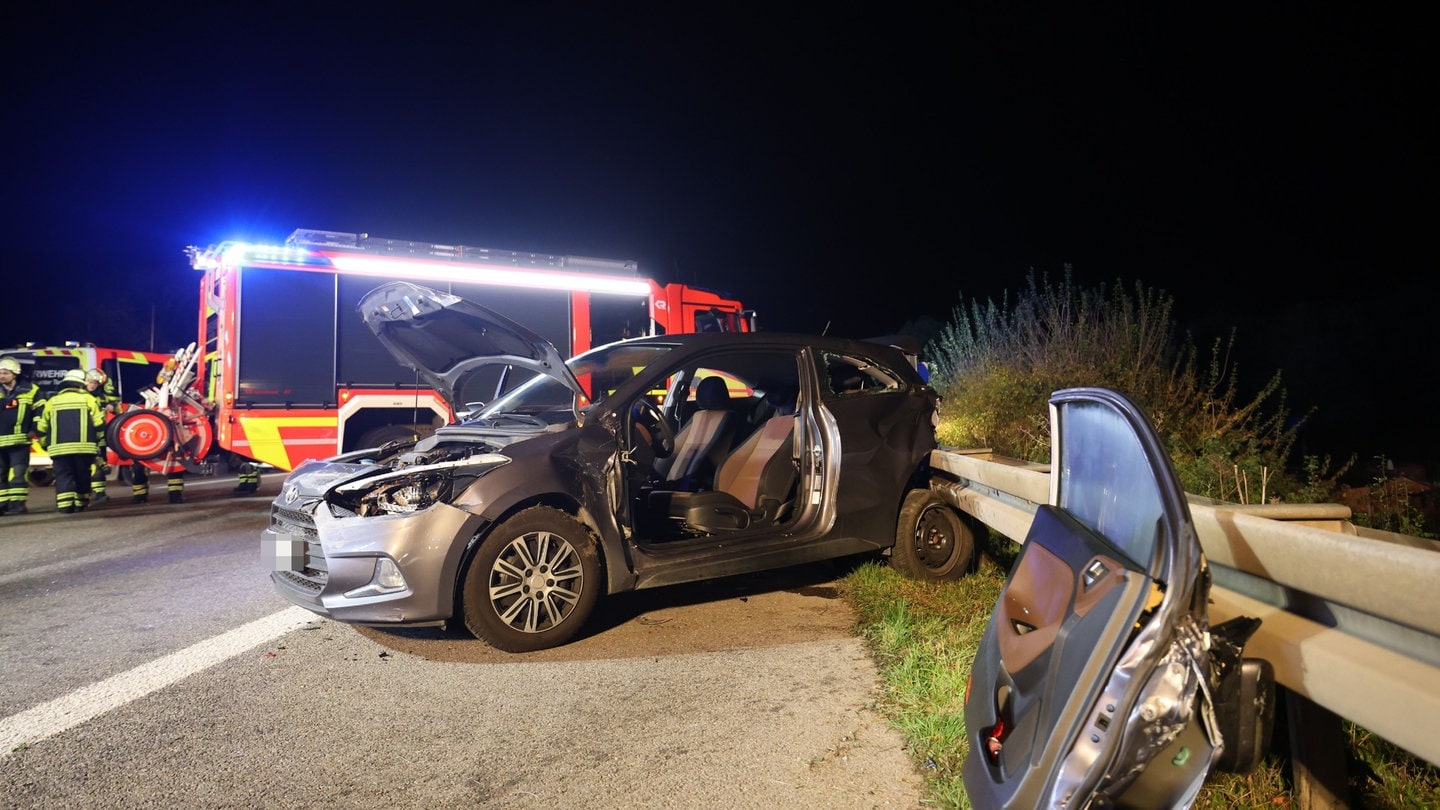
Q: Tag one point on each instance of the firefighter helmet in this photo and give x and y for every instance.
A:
(95, 375)
(75, 376)
(10, 364)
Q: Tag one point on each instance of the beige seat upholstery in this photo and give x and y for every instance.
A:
(702, 443)
(752, 486)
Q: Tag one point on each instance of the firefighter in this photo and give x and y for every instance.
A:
(17, 428)
(175, 485)
(70, 426)
(140, 484)
(139, 475)
(99, 385)
(249, 479)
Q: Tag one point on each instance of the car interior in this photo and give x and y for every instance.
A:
(753, 486)
(704, 441)
(734, 464)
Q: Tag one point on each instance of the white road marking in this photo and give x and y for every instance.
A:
(48, 719)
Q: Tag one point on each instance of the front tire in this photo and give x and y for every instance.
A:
(533, 583)
(932, 542)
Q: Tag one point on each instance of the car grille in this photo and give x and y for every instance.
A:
(299, 526)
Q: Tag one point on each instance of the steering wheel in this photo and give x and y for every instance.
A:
(662, 437)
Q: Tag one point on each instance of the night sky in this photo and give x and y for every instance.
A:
(856, 168)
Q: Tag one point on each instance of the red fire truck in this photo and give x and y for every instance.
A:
(285, 369)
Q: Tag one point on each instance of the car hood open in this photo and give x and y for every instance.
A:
(446, 339)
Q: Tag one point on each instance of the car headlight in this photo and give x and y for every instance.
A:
(411, 489)
(412, 496)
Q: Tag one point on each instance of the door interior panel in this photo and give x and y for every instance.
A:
(1042, 594)
(1062, 622)
(1033, 607)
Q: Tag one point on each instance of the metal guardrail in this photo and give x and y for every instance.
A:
(1350, 616)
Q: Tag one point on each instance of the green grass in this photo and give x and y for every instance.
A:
(923, 637)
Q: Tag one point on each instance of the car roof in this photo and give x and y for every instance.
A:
(883, 352)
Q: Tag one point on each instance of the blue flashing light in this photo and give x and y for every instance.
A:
(241, 254)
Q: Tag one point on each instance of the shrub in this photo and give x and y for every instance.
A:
(996, 366)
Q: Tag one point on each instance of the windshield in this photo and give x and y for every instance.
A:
(599, 372)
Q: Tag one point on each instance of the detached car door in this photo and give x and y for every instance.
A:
(1088, 688)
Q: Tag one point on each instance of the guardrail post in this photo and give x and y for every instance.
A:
(1317, 754)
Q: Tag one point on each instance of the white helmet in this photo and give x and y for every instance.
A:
(10, 364)
(75, 376)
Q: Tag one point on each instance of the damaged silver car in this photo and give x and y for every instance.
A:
(649, 462)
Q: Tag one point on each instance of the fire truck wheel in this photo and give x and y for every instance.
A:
(140, 434)
(40, 476)
(383, 435)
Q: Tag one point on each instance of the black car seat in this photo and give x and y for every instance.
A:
(752, 486)
(702, 443)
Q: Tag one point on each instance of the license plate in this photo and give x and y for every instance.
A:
(283, 554)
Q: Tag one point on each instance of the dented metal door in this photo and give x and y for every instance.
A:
(1089, 684)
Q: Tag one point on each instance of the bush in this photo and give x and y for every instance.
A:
(996, 365)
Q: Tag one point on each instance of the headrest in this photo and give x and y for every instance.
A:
(712, 394)
(782, 399)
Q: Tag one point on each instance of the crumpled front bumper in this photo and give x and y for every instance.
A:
(326, 564)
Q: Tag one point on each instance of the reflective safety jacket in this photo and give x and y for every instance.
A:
(109, 403)
(107, 397)
(17, 413)
(71, 423)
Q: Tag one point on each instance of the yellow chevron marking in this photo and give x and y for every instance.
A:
(266, 444)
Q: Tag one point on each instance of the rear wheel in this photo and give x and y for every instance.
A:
(932, 542)
(533, 583)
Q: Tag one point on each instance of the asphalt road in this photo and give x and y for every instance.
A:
(146, 663)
